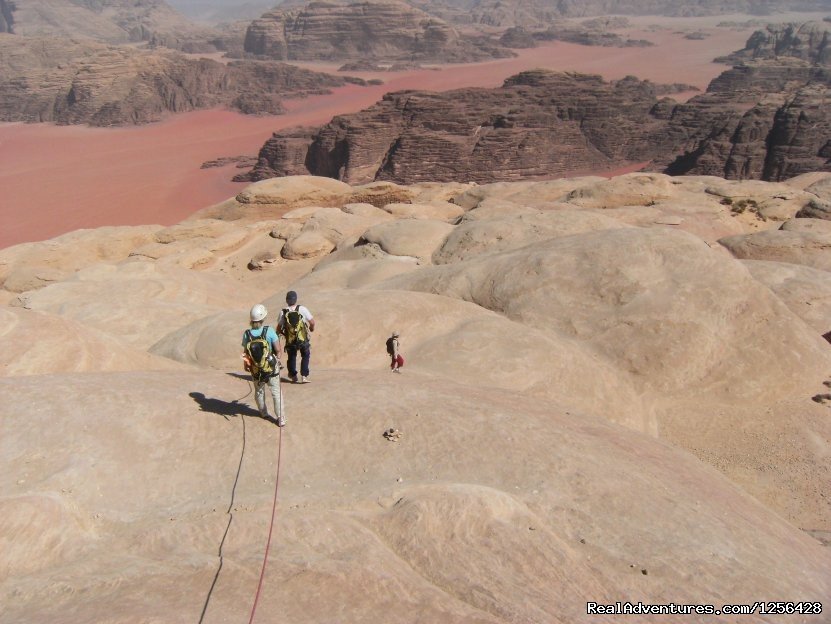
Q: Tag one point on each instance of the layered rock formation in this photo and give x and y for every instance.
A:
(517, 37)
(810, 41)
(383, 30)
(590, 33)
(534, 13)
(538, 124)
(75, 82)
(764, 121)
(559, 326)
(110, 21)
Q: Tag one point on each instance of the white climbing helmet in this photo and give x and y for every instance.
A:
(258, 313)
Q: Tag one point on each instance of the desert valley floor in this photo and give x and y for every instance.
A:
(58, 178)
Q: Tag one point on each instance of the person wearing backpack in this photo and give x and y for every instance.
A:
(261, 355)
(295, 324)
(394, 351)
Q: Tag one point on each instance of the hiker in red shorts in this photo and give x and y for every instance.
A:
(393, 349)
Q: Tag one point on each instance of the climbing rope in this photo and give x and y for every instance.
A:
(273, 510)
(230, 514)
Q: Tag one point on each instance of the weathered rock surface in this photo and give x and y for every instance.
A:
(809, 41)
(278, 197)
(517, 37)
(160, 535)
(798, 245)
(77, 347)
(487, 236)
(538, 124)
(137, 301)
(442, 211)
(537, 285)
(108, 21)
(805, 290)
(568, 325)
(84, 82)
(589, 33)
(768, 140)
(751, 123)
(411, 238)
(64, 255)
(377, 29)
(533, 13)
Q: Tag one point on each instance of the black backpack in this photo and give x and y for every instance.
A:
(390, 347)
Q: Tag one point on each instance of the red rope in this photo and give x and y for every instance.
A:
(271, 526)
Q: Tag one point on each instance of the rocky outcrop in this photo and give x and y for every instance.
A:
(517, 37)
(794, 244)
(764, 121)
(537, 124)
(810, 41)
(590, 33)
(378, 29)
(72, 82)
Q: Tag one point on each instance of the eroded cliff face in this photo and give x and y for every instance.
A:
(769, 121)
(386, 29)
(810, 41)
(533, 13)
(71, 82)
(766, 121)
(537, 124)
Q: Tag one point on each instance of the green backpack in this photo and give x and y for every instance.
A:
(295, 329)
(263, 361)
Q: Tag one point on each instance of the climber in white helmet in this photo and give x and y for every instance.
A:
(261, 355)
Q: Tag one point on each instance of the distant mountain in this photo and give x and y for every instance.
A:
(75, 82)
(108, 21)
(531, 14)
(810, 41)
(536, 13)
(370, 30)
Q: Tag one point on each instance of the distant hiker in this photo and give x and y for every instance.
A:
(393, 349)
(296, 323)
(261, 355)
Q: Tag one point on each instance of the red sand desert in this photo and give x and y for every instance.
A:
(57, 178)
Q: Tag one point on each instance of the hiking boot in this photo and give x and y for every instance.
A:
(304, 380)
(281, 422)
